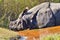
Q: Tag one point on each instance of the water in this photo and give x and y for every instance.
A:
(23, 38)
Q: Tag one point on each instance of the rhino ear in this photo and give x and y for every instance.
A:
(27, 8)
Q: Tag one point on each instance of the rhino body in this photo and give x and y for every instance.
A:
(40, 16)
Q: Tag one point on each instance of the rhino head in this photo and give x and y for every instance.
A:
(20, 23)
(15, 25)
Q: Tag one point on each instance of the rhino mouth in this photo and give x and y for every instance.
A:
(16, 29)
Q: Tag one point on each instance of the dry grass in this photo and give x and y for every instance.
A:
(6, 34)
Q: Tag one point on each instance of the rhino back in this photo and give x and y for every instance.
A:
(46, 21)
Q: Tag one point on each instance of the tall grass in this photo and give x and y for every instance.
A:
(12, 8)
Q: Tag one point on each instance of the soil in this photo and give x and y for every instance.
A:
(37, 33)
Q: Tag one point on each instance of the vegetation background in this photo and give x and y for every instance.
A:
(12, 9)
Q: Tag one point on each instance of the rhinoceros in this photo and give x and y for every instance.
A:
(41, 16)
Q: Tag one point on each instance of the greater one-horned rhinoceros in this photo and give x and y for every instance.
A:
(43, 15)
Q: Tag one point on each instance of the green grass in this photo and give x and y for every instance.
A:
(6, 34)
(13, 8)
(51, 37)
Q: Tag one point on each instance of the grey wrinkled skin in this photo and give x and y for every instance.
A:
(45, 18)
(40, 16)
